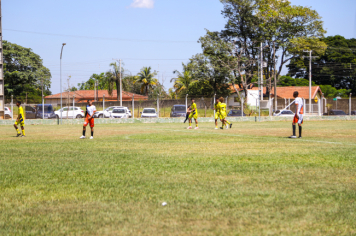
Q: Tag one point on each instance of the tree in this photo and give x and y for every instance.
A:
(115, 75)
(335, 67)
(24, 73)
(277, 24)
(289, 81)
(182, 82)
(146, 80)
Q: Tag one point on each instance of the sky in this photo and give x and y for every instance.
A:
(161, 34)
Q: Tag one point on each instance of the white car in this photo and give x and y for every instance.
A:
(121, 112)
(283, 113)
(149, 113)
(69, 112)
(8, 113)
(108, 111)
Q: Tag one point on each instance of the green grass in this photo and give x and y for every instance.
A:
(249, 180)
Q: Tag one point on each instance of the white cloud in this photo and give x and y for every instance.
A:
(142, 4)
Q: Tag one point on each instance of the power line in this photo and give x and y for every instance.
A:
(100, 38)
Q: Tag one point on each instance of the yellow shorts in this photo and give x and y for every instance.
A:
(21, 123)
(193, 115)
(217, 115)
(222, 116)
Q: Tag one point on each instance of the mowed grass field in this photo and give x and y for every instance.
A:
(249, 180)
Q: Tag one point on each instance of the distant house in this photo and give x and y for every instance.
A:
(82, 96)
(282, 93)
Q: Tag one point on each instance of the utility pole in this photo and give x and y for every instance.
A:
(120, 86)
(310, 79)
(275, 76)
(261, 71)
(68, 101)
(2, 92)
(60, 75)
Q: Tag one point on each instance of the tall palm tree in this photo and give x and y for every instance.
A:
(182, 82)
(145, 78)
(110, 82)
(115, 74)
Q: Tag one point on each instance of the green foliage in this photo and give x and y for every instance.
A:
(24, 73)
(289, 81)
(146, 79)
(331, 92)
(336, 66)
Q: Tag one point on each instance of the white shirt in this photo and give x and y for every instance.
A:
(91, 110)
(300, 105)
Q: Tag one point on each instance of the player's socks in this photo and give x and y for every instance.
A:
(84, 133)
(190, 124)
(300, 131)
(18, 131)
(92, 133)
(293, 130)
(23, 132)
(227, 122)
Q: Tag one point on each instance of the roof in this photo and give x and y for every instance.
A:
(89, 94)
(287, 92)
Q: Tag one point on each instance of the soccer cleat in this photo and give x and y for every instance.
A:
(23, 136)
(216, 128)
(293, 136)
(227, 127)
(300, 137)
(196, 128)
(221, 128)
(83, 137)
(230, 125)
(190, 127)
(18, 135)
(91, 137)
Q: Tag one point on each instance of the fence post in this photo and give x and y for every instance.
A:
(350, 104)
(73, 105)
(12, 107)
(133, 106)
(186, 102)
(103, 104)
(242, 106)
(157, 106)
(214, 100)
(319, 107)
(42, 107)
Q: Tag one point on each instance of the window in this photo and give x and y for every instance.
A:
(149, 111)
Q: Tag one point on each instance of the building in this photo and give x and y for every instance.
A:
(82, 96)
(283, 93)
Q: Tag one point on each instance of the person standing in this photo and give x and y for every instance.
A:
(193, 114)
(20, 121)
(298, 118)
(217, 112)
(223, 114)
(89, 119)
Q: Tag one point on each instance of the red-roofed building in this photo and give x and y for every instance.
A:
(282, 93)
(82, 96)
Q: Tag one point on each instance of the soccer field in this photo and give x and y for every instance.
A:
(249, 180)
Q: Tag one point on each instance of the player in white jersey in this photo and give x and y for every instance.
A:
(89, 119)
(299, 111)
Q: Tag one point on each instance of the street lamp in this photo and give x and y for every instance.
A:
(61, 76)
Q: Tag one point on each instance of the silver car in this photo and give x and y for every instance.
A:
(8, 113)
(283, 113)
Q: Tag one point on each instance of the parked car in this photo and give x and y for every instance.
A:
(283, 113)
(353, 113)
(120, 113)
(337, 113)
(8, 113)
(149, 113)
(48, 112)
(178, 111)
(107, 112)
(235, 113)
(69, 112)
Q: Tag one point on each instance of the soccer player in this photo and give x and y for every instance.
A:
(217, 112)
(193, 114)
(89, 119)
(187, 115)
(298, 118)
(20, 121)
(223, 114)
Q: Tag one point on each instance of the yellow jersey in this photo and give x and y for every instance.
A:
(217, 107)
(223, 108)
(21, 113)
(194, 106)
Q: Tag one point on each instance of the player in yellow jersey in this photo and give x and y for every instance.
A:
(217, 112)
(223, 114)
(20, 121)
(193, 114)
